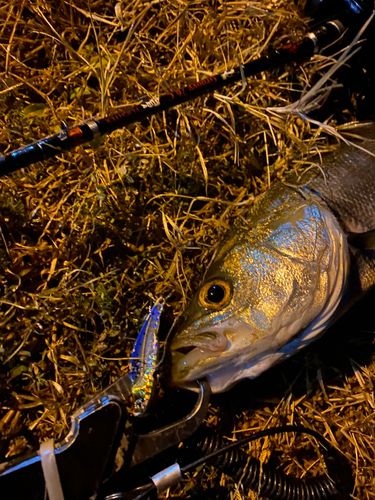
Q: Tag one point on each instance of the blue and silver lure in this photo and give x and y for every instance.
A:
(144, 358)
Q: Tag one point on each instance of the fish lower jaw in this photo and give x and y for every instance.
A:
(183, 364)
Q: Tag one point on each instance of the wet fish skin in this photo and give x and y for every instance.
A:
(285, 275)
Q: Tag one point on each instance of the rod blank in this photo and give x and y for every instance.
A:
(69, 138)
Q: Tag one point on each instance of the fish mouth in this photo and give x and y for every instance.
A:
(188, 353)
(212, 341)
(185, 350)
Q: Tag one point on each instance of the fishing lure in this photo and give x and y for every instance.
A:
(144, 358)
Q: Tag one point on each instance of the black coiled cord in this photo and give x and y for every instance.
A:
(260, 477)
(267, 481)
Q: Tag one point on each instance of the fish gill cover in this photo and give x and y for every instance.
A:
(88, 239)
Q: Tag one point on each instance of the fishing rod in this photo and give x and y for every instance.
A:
(349, 11)
(70, 137)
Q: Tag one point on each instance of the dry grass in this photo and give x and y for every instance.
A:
(86, 240)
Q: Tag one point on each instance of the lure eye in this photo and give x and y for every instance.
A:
(215, 294)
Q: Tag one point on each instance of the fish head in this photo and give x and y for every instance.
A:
(262, 289)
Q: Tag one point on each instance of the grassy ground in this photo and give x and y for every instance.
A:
(87, 240)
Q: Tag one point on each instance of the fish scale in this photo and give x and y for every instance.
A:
(303, 256)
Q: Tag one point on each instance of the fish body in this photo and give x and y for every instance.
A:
(285, 274)
(144, 358)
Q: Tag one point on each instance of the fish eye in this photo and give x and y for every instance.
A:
(215, 294)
